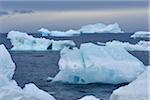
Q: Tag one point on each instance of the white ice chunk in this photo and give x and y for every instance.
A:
(7, 66)
(12, 91)
(141, 34)
(33, 91)
(98, 64)
(140, 46)
(23, 41)
(44, 31)
(9, 90)
(89, 97)
(136, 90)
(101, 28)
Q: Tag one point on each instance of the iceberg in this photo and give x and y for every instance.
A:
(9, 90)
(93, 28)
(139, 89)
(89, 97)
(23, 41)
(44, 31)
(141, 34)
(140, 46)
(97, 64)
(101, 28)
(64, 33)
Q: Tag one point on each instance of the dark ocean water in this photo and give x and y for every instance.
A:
(36, 66)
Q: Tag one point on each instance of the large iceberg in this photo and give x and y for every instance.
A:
(140, 46)
(141, 34)
(44, 31)
(89, 97)
(97, 64)
(136, 90)
(93, 28)
(101, 28)
(23, 41)
(9, 90)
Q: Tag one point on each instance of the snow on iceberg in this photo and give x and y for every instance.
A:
(23, 41)
(97, 64)
(101, 28)
(9, 90)
(139, 89)
(44, 31)
(141, 34)
(64, 33)
(89, 97)
(140, 46)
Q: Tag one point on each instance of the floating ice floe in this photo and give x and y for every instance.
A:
(136, 90)
(101, 28)
(97, 64)
(141, 34)
(23, 41)
(44, 31)
(140, 46)
(93, 28)
(9, 90)
(89, 97)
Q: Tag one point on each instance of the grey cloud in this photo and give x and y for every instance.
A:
(23, 11)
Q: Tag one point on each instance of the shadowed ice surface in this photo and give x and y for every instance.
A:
(36, 66)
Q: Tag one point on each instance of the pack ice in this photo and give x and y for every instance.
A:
(23, 41)
(97, 64)
(140, 46)
(141, 34)
(136, 90)
(9, 90)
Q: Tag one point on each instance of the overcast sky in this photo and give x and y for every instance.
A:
(62, 15)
